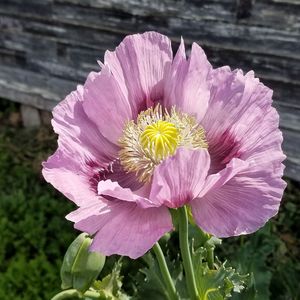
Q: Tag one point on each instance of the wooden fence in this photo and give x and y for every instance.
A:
(48, 46)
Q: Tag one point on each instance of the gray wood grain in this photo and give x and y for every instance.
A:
(47, 47)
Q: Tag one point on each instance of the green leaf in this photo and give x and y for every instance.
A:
(251, 257)
(110, 287)
(217, 283)
(197, 236)
(150, 284)
(215, 280)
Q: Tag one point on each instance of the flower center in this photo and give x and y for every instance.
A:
(155, 136)
(160, 138)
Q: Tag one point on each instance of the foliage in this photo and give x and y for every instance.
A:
(214, 282)
(34, 234)
(110, 286)
(271, 255)
(150, 284)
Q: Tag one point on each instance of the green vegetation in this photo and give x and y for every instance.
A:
(34, 234)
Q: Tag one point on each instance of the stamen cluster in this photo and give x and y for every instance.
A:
(154, 136)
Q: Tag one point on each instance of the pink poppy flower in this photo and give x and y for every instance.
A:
(151, 132)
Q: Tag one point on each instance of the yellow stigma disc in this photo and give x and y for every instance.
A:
(160, 138)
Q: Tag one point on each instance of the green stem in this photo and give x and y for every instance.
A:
(70, 294)
(185, 253)
(165, 272)
(210, 257)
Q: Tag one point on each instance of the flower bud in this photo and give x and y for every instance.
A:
(81, 267)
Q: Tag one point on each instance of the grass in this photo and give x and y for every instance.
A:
(35, 235)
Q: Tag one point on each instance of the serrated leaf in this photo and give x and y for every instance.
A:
(197, 237)
(212, 242)
(250, 293)
(217, 283)
(223, 281)
(110, 287)
(251, 258)
(150, 283)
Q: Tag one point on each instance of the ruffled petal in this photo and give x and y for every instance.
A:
(180, 178)
(235, 203)
(93, 208)
(82, 151)
(115, 191)
(217, 180)
(187, 85)
(106, 104)
(139, 64)
(240, 121)
(123, 228)
(71, 176)
(79, 133)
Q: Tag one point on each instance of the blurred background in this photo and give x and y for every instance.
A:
(47, 47)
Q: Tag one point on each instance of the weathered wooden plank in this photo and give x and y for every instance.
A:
(284, 2)
(264, 13)
(227, 36)
(292, 168)
(285, 93)
(268, 67)
(289, 118)
(235, 36)
(32, 88)
(291, 148)
(210, 10)
(44, 56)
(273, 66)
(66, 34)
